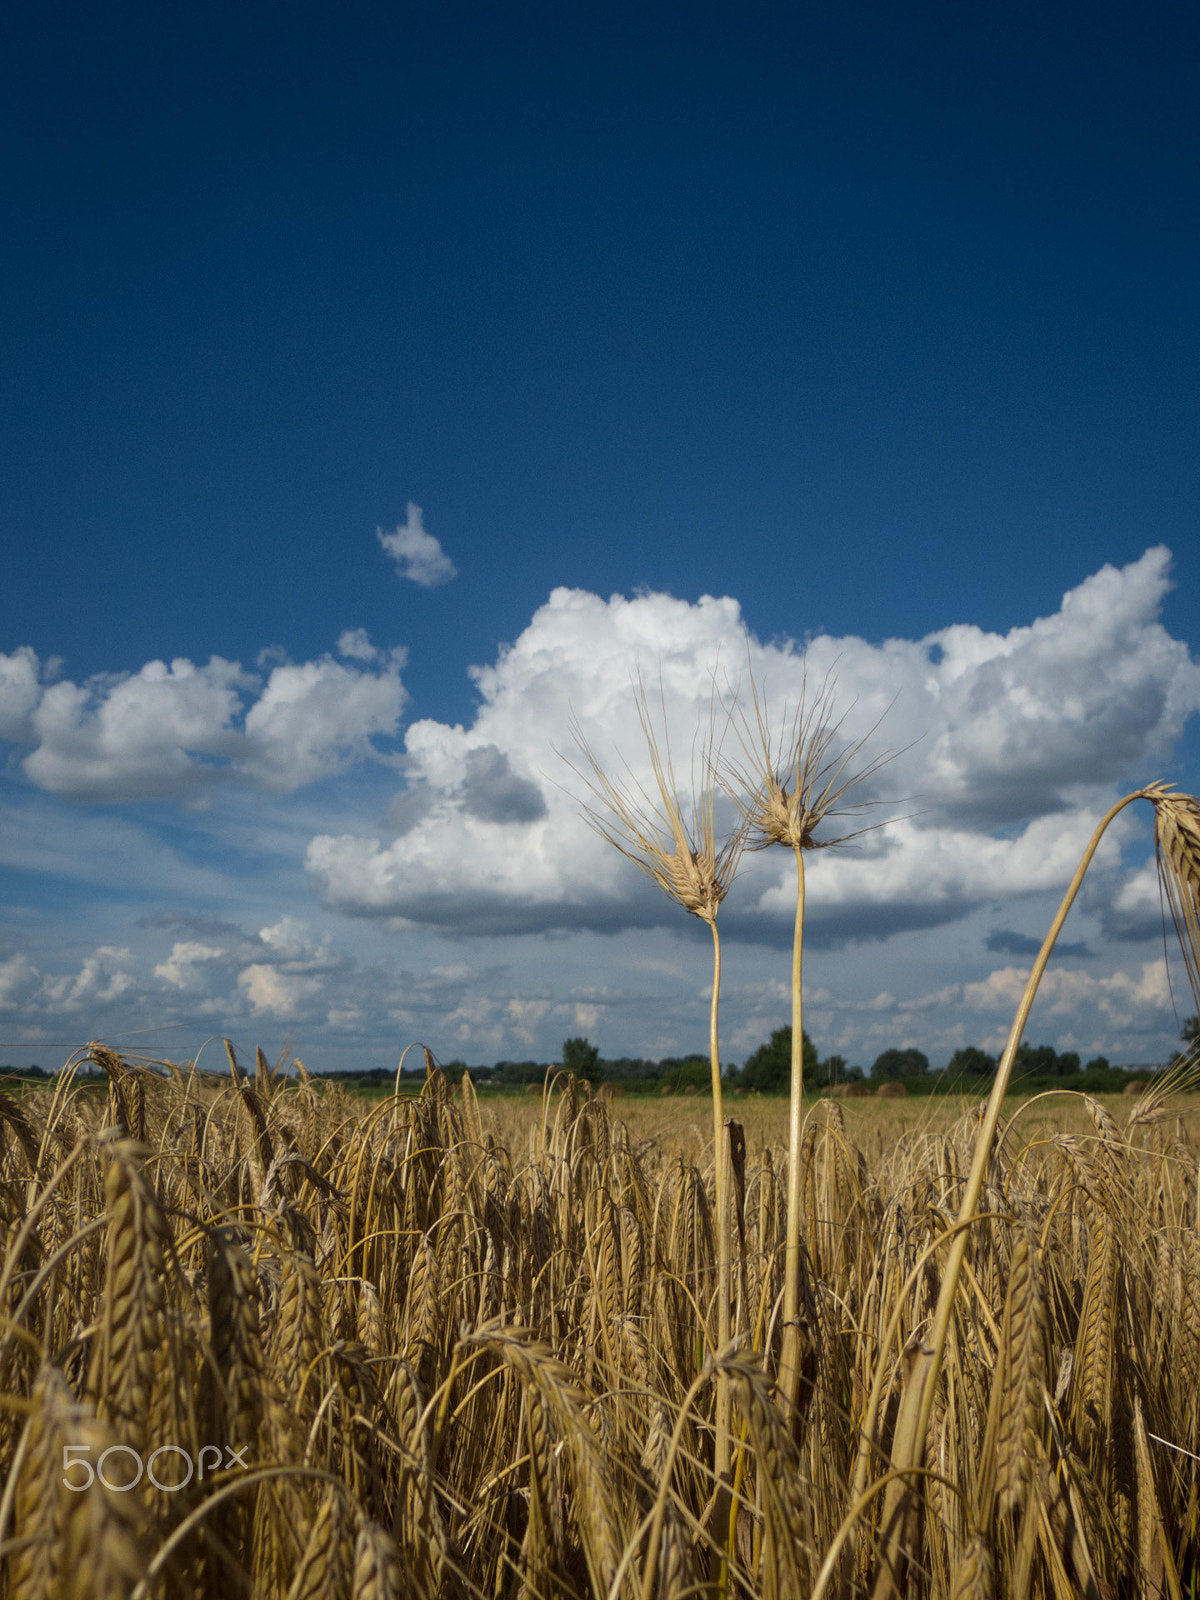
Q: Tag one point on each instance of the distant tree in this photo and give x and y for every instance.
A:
(687, 1072)
(629, 1069)
(1098, 1064)
(1044, 1061)
(832, 1070)
(1190, 1032)
(900, 1064)
(519, 1071)
(581, 1058)
(1029, 1061)
(770, 1067)
(971, 1063)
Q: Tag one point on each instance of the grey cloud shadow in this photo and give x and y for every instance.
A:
(491, 791)
(1006, 941)
(1135, 927)
(476, 914)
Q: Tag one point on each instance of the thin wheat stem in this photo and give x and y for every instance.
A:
(724, 1404)
(724, 1397)
(789, 1367)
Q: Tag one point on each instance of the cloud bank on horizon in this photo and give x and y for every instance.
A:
(1009, 748)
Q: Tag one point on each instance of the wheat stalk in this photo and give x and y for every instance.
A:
(680, 853)
(566, 1448)
(791, 786)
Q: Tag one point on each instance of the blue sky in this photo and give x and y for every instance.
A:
(868, 324)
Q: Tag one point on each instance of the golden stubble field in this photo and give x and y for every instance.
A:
(269, 1340)
(680, 1125)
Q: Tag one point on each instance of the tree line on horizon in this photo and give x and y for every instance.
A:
(765, 1070)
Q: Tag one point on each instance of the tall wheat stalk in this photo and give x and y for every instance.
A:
(675, 844)
(789, 785)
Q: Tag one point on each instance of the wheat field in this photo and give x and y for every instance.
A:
(415, 1347)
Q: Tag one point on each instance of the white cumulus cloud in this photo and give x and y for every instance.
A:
(20, 692)
(103, 978)
(279, 993)
(184, 967)
(174, 731)
(19, 979)
(1013, 744)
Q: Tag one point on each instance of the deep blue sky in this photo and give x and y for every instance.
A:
(875, 318)
(878, 318)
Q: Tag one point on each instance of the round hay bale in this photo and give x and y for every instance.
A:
(1135, 1086)
(667, 1088)
(691, 1089)
(850, 1091)
(533, 1088)
(613, 1091)
(891, 1091)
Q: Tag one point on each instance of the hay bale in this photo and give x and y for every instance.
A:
(891, 1091)
(612, 1091)
(850, 1091)
(1135, 1086)
(533, 1088)
(691, 1089)
(667, 1088)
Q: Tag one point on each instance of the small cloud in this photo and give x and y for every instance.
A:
(179, 969)
(270, 990)
(1005, 942)
(417, 554)
(19, 978)
(356, 644)
(102, 979)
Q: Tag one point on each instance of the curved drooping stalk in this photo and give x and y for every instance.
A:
(1178, 866)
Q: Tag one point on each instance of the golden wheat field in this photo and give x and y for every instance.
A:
(262, 1339)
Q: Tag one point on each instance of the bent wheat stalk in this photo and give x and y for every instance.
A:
(1177, 845)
